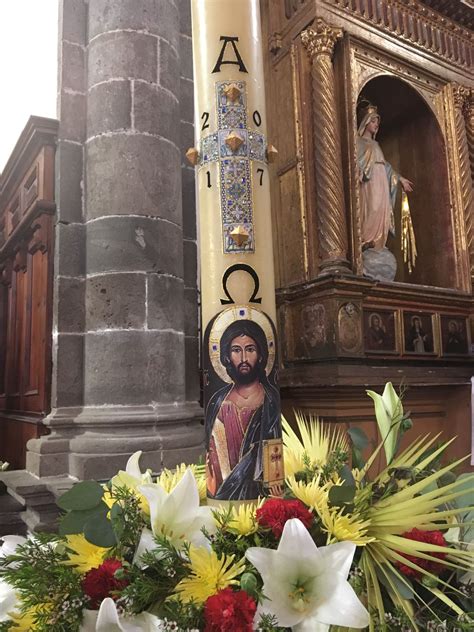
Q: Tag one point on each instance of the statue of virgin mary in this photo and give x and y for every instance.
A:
(378, 183)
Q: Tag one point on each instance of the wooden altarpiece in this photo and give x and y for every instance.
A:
(27, 211)
(415, 60)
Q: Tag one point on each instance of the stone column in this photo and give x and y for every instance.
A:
(461, 95)
(332, 227)
(123, 296)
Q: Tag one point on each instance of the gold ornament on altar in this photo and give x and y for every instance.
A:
(408, 235)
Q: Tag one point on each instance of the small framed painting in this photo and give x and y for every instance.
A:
(380, 330)
(454, 335)
(419, 333)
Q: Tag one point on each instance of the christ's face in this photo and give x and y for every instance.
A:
(417, 324)
(244, 355)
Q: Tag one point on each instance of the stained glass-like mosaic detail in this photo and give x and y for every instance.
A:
(234, 146)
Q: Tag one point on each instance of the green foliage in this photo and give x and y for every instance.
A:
(74, 521)
(84, 495)
(359, 443)
(342, 495)
(269, 623)
(47, 587)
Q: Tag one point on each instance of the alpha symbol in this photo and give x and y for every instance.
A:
(238, 59)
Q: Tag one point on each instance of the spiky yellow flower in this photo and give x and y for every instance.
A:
(208, 575)
(342, 527)
(168, 479)
(84, 555)
(243, 519)
(25, 621)
(317, 442)
(311, 494)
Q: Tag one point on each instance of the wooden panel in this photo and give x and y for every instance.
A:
(291, 246)
(14, 435)
(26, 278)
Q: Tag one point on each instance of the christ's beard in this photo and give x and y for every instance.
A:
(248, 377)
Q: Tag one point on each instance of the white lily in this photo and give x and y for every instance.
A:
(107, 619)
(306, 586)
(8, 597)
(389, 414)
(176, 515)
(132, 476)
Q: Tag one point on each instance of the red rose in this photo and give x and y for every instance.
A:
(276, 511)
(99, 583)
(430, 537)
(229, 611)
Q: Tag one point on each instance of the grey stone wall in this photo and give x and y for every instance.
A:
(125, 365)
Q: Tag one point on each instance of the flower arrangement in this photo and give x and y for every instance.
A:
(342, 549)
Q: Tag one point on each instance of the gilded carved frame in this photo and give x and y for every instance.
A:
(363, 63)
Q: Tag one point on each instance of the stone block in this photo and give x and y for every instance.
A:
(189, 203)
(192, 374)
(172, 458)
(190, 263)
(115, 301)
(69, 304)
(186, 99)
(72, 116)
(134, 244)
(159, 17)
(186, 137)
(69, 250)
(68, 373)
(123, 55)
(190, 312)
(68, 182)
(186, 56)
(156, 111)
(165, 302)
(133, 367)
(72, 67)
(73, 21)
(184, 8)
(133, 175)
(109, 107)
(168, 67)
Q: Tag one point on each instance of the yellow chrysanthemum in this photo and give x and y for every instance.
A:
(243, 519)
(25, 622)
(208, 575)
(311, 494)
(168, 479)
(345, 526)
(84, 555)
(317, 442)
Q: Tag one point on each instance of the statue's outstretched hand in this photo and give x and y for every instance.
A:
(407, 185)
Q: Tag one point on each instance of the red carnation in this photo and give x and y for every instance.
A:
(229, 611)
(276, 511)
(430, 537)
(99, 583)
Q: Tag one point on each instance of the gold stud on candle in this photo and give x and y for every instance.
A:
(193, 156)
(234, 141)
(239, 235)
(232, 92)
